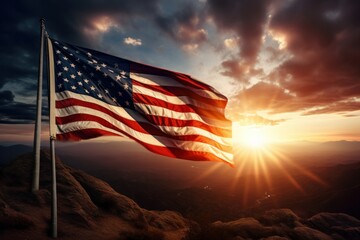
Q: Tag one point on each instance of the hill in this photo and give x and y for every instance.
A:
(88, 207)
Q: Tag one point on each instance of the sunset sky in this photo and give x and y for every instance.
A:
(290, 68)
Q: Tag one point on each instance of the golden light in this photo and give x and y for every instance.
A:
(251, 136)
(254, 137)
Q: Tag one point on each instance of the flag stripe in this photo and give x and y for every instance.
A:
(180, 91)
(146, 139)
(143, 99)
(73, 106)
(176, 78)
(112, 123)
(165, 151)
(70, 98)
(179, 100)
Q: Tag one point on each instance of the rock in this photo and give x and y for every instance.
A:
(244, 227)
(306, 233)
(108, 199)
(280, 216)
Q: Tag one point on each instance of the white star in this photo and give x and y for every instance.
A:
(126, 86)
(111, 71)
(60, 85)
(107, 91)
(65, 48)
(66, 68)
(89, 54)
(72, 76)
(113, 99)
(73, 87)
(56, 42)
(58, 62)
(92, 88)
(103, 65)
(57, 52)
(86, 80)
(72, 65)
(78, 60)
(79, 73)
(71, 54)
(86, 91)
(59, 74)
(98, 68)
(65, 58)
(66, 80)
(123, 73)
(80, 83)
(94, 61)
(118, 77)
(100, 96)
(105, 74)
(90, 62)
(77, 51)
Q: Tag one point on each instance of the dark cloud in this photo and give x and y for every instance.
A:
(185, 25)
(6, 97)
(16, 112)
(323, 38)
(247, 18)
(319, 59)
(72, 21)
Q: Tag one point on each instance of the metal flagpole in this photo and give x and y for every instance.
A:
(51, 101)
(36, 150)
(54, 190)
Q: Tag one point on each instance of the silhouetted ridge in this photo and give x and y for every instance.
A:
(88, 208)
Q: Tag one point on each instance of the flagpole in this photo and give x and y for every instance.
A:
(52, 131)
(36, 149)
(54, 189)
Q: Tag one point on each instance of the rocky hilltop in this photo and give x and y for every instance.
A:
(89, 208)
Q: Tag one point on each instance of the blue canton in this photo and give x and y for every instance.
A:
(91, 73)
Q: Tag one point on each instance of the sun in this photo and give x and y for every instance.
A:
(255, 138)
(251, 136)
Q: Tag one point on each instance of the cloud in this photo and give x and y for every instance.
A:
(133, 41)
(231, 42)
(184, 26)
(323, 71)
(337, 107)
(6, 97)
(246, 18)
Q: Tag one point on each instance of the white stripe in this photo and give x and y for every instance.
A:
(164, 112)
(156, 80)
(146, 138)
(125, 113)
(172, 131)
(180, 100)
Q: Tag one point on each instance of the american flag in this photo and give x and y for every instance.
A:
(169, 113)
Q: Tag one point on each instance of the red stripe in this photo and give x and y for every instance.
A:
(162, 121)
(180, 91)
(136, 126)
(140, 98)
(181, 78)
(165, 151)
